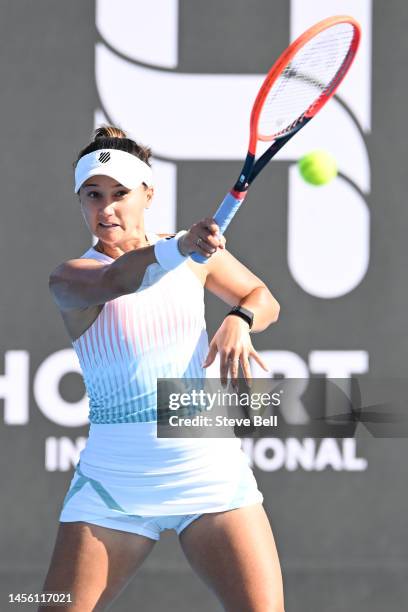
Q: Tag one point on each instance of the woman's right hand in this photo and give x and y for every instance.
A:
(203, 238)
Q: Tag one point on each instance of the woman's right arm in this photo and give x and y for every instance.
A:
(81, 283)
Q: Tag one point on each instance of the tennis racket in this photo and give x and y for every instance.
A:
(298, 85)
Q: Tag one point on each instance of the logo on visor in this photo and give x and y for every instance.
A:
(104, 157)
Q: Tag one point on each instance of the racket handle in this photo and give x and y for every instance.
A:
(223, 217)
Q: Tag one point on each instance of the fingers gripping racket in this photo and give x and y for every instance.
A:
(297, 86)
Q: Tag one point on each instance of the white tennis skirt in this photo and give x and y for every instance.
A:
(126, 470)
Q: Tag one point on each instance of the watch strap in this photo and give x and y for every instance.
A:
(244, 313)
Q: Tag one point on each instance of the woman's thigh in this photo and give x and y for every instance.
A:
(94, 564)
(234, 552)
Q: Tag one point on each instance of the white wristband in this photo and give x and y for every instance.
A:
(167, 252)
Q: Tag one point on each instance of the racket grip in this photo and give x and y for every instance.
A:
(223, 217)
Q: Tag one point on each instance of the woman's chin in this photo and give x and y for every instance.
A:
(111, 236)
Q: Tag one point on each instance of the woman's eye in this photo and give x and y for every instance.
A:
(93, 194)
(120, 194)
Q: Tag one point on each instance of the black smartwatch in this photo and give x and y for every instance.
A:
(244, 313)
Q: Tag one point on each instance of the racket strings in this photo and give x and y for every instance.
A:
(310, 73)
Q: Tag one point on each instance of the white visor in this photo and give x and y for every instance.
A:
(127, 169)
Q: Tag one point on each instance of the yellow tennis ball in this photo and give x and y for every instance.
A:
(318, 167)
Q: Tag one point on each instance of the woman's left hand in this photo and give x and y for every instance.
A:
(233, 342)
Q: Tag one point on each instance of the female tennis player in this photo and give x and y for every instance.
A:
(133, 307)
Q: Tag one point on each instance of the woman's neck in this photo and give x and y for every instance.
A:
(115, 252)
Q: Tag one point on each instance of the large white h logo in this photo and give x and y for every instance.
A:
(191, 116)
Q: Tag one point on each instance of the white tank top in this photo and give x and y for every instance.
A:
(158, 331)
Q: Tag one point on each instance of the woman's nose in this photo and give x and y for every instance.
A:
(108, 206)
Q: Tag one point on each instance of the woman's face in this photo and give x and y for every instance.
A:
(112, 212)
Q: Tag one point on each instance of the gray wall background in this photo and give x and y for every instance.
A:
(342, 537)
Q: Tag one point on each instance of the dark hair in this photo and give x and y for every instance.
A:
(111, 137)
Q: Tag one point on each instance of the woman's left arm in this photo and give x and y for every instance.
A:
(233, 283)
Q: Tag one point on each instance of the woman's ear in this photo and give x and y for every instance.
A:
(149, 197)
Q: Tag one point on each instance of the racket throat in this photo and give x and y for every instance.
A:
(242, 184)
